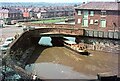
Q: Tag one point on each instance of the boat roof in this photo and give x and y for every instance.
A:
(70, 42)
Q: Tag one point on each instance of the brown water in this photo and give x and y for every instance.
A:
(47, 59)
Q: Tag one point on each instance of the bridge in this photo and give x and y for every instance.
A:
(31, 37)
(87, 32)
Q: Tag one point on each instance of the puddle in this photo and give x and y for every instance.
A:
(55, 71)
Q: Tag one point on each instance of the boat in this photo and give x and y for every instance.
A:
(79, 48)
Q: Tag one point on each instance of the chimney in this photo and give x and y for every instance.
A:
(83, 2)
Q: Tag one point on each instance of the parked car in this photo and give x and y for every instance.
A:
(31, 28)
(9, 40)
(4, 48)
(24, 28)
(28, 28)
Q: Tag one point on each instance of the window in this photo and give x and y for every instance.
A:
(79, 12)
(85, 23)
(103, 23)
(96, 22)
(91, 13)
(103, 13)
(91, 21)
(79, 21)
(85, 14)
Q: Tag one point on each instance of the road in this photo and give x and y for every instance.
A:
(9, 31)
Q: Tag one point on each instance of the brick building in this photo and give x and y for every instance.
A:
(11, 13)
(98, 16)
(48, 12)
(26, 13)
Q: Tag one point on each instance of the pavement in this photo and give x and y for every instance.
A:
(9, 31)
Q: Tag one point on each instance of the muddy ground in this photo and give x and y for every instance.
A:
(97, 62)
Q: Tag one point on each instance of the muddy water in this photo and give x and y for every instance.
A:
(62, 63)
(51, 70)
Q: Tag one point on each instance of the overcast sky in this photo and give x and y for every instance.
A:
(53, 1)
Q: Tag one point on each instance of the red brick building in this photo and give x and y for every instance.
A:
(100, 16)
(26, 13)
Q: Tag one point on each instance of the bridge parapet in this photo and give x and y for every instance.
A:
(32, 37)
(51, 25)
(63, 31)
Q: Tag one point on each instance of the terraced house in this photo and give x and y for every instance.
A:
(99, 17)
(11, 13)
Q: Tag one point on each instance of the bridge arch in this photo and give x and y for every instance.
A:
(31, 38)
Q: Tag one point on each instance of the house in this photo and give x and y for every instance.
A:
(11, 13)
(36, 11)
(42, 13)
(98, 16)
(26, 13)
(59, 11)
(3, 13)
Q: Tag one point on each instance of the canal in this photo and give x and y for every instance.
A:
(61, 63)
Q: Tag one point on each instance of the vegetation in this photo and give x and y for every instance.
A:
(49, 21)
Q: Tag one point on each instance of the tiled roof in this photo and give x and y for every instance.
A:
(14, 11)
(100, 6)
(4, 11)
(10, 10)
(36, 9)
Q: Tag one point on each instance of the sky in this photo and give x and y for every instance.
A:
(52, 1)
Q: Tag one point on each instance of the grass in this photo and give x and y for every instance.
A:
(49, 21)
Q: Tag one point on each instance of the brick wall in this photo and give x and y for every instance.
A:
(111, 17)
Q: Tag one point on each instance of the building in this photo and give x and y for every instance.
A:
(60, 11)
(42, 13)
(98, 16)
(26, 14)
(11, 13)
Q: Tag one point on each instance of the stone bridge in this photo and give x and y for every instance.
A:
(31, 37)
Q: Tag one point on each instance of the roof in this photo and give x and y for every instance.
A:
(99, 6)
(10, 10)
(70, 42)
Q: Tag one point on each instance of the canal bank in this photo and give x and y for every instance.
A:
(46, 62)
